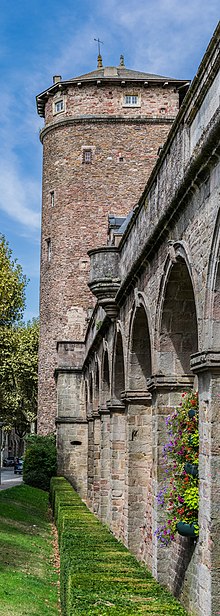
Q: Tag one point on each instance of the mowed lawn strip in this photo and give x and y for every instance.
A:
(28, 576)
(99, 576)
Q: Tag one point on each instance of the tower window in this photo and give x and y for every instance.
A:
(59, 106)
(48, 243)
(131, 100)
(52, 198)
(87, 156)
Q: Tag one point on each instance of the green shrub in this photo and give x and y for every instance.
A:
(98, 575)
(40, 463)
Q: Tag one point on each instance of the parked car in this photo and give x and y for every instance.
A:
(18, 466)
(9, 461)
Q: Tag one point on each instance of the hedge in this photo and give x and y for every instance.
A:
(40, 462)
(98, 575)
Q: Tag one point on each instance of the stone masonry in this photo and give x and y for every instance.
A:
(153, 330)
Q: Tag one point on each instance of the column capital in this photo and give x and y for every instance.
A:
(115, 406)
(104, 410)
(136, 396)
(170, 383)
(205, 361)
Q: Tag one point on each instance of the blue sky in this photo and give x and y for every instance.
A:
(39, 39)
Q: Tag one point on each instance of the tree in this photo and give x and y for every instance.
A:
(12, 287)
(18, 347)
(18, 375)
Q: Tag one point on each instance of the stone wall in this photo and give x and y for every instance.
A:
(153, 334)
(163, 340)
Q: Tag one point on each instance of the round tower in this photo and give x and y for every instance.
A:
(101, 138)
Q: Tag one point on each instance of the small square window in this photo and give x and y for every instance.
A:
(131, 100)
(59, 106)
(87, 156)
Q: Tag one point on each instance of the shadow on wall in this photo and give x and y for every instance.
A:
(186, 547)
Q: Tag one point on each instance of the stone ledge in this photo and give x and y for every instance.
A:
(99, 119)
(70, 420)
(66, 370)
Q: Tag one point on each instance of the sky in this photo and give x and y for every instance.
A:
(42, 38)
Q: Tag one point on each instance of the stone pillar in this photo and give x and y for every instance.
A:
(71, 422)
(118, 462)
(105, 467)
(90, 459)
(207, 366)
(166, 395)
(97, 459)
(139, 522)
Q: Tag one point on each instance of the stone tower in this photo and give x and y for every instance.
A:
(101, 138)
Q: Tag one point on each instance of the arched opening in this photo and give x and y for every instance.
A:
(140, 352)
(86, 397)
(90, 392)
(105, 379)
(96, 388)
(119, 371)
(139, 412)
(178, 333)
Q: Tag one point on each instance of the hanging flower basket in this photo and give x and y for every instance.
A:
(191, 413)
(179, 493)
(187, 530)
(191, 469)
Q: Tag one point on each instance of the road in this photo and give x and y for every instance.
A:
(9, 479)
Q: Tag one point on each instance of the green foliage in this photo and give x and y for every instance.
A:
(12, 286)
(40, 463)
(28, 581)
(191, 497)
(19, 374)
(18, 347)
(179, 495)
(98, 575)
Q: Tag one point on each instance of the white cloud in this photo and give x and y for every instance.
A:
(20, 189)
(19, 196)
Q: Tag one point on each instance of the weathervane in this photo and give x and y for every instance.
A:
(98, 41)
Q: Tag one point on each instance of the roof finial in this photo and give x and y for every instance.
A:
(122, 60)
(99, 65)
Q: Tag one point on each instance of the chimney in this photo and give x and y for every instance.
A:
(57, 78)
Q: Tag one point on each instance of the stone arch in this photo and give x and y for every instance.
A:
(118, 378)
(178, 322)
(212, 303)
(139, 355)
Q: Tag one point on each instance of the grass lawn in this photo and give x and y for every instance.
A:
(28, 577)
